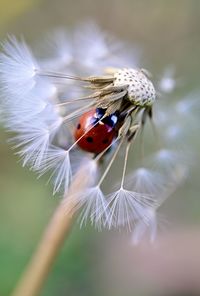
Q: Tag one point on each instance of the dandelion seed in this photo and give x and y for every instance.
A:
(126, 207)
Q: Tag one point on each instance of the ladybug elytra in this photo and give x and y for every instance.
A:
(100, 132)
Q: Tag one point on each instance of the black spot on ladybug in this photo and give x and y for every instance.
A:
(78, 126)
(89, 139)
(105, 141)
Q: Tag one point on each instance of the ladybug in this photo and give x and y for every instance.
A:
(100, 132)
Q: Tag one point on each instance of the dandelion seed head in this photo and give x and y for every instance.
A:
(44, 99)
(140, 89)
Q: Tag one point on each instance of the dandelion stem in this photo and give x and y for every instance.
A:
(54, 236)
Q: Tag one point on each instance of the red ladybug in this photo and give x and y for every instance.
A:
(100, 132)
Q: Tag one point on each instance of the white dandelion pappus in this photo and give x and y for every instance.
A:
(95, 50)
(56, 132)
(150, 183)
(92, 200)
(94, 207)
(35, 142)
(58, 161)
(60, 51)
(17, 68)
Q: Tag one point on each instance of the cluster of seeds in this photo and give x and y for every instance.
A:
(140, 89)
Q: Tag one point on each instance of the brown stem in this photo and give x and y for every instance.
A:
(56, 232)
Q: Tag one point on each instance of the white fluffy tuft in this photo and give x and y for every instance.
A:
(126, 207)
(147, 181)
(33, 143)
(94, 207)
(58, 161)
(17, 68)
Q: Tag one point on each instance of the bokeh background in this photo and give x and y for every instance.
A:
(106, 263)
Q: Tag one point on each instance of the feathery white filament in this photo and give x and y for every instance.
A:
(147, 181)
(94, 48)
(91, 200)
(17, 68)
(126, 207)
(33, 143)
(95, 207)
(58, 161)
(60, 51)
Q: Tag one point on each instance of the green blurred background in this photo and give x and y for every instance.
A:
(169, 33)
